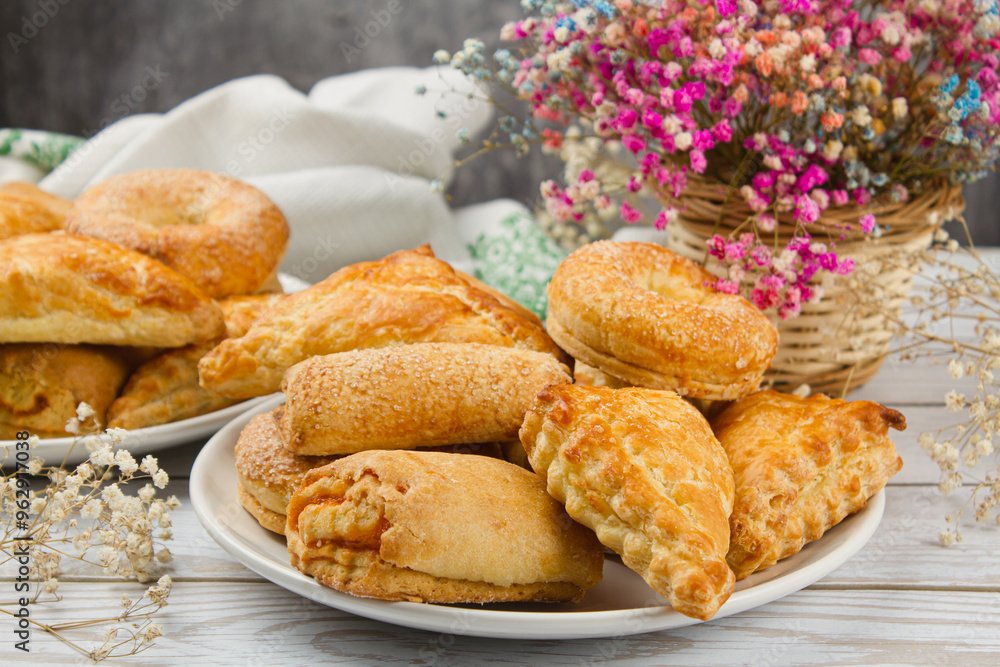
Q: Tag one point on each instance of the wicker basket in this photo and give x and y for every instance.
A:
(833, 346)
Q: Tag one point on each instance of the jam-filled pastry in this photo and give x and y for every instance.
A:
(268, 474)
(801, 466)
(436, 527)
(643, 470)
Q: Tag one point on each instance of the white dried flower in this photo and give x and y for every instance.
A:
(954, 400)
(947, 537)
(955, 369)
(126, 463)
(160, 479)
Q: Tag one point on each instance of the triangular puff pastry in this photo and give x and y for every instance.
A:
(642, 469)
(407, 297)
(58, 288)
(801, 466)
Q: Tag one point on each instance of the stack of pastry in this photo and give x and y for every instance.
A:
(394, 372)
(112, 299)
(385, 359)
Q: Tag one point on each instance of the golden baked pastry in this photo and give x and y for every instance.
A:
(165, 389)
(268, 473)
(435, 527)
(25, 209)
(58, 288)
(411, 396)
(225, 235)
(801, 466)
(642, 469)
(593, 377)
(407, 297)
(646, 316)
(41, 385)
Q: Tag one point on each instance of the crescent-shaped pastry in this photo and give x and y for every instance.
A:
(165, 389)
(435, 527)
(58, 288)
(801, 466)
(642, 314)
(412, 396)
(25, 209)
(407, 297)
(642, 469)
(41, 385)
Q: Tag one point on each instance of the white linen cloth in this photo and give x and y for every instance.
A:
(351, 164)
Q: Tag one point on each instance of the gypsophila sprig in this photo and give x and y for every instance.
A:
(954, 320)
(796, 105)
(88, 515)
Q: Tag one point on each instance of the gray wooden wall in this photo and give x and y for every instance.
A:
(64, 63)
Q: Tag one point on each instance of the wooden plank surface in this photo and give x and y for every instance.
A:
(905, 552)
(256, 623)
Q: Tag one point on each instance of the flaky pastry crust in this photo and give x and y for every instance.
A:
(25, 209)
(165, 389)
(407, 297)
(225, 235)
(41, 385)
(267, 472)
(59, 288)
(435, 527)
(642, 469)
(801, 466)
(411, 396)
(646, 316)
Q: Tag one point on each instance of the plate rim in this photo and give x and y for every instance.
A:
(531, 625)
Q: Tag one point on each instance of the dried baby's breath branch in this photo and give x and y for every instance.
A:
(86, 516)
(954, 319)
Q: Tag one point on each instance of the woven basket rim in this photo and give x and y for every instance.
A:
(708, 207)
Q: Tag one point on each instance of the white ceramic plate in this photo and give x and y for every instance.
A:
(622, 604)
(141, 441)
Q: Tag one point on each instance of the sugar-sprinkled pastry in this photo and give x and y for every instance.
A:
(411, 396)
(646, 316)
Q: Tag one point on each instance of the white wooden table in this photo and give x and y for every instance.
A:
(903, 600)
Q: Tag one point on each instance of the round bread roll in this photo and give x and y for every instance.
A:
(642, 314)
(226, 236)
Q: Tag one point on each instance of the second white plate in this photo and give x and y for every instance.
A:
(622, 604)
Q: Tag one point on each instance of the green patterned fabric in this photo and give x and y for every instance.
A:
(45, 150)
(518, 259)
